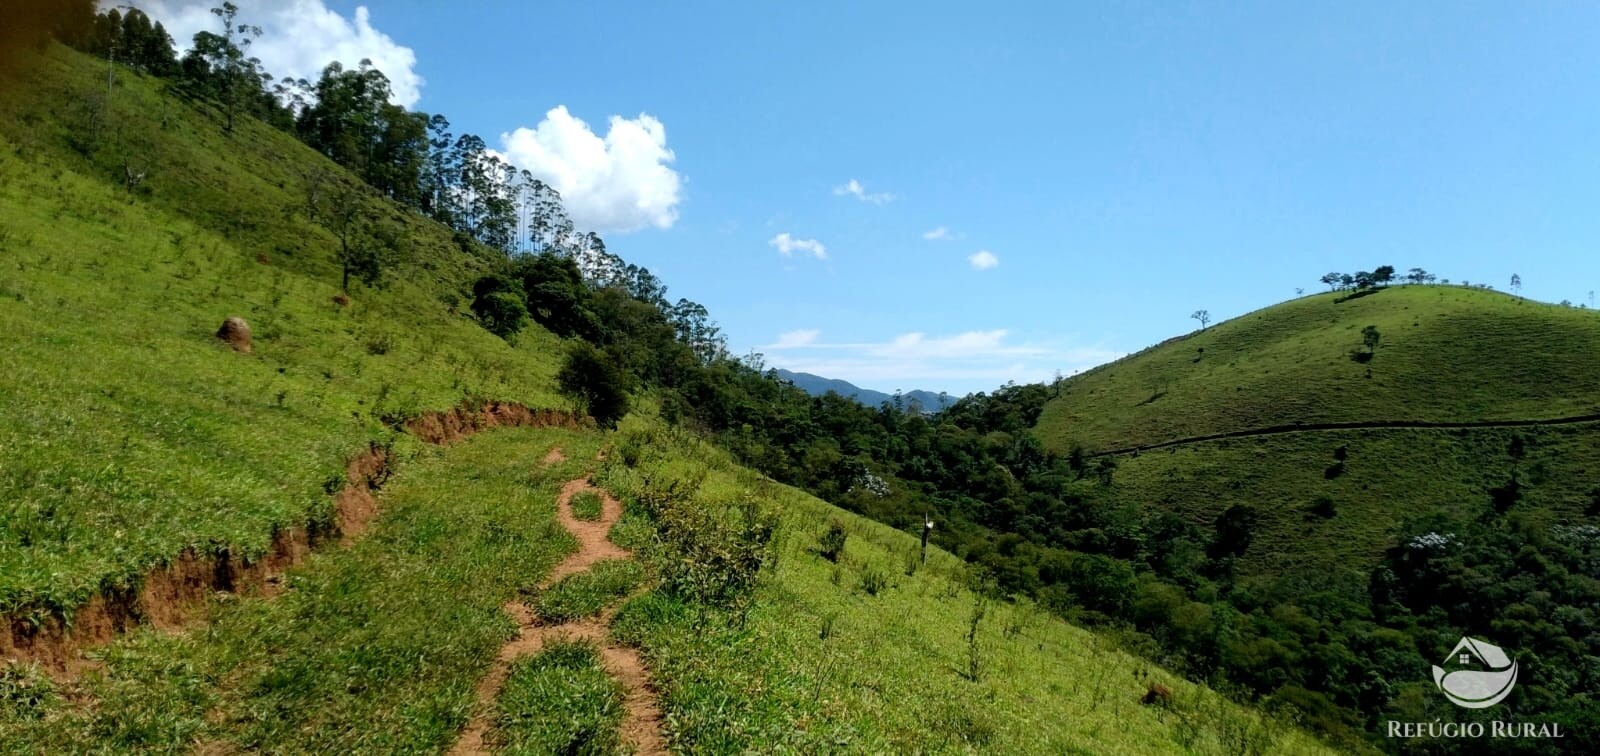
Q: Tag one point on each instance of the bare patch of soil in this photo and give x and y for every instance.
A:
(453, 425)
(555, 457)
(593, 544)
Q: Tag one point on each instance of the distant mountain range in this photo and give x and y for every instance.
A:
(816, 385)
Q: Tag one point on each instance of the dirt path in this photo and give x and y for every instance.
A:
(1361, 425)
(641, 718)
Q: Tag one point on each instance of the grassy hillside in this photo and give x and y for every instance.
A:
(130, 433)
(1317, 532)
(1336, 545)
(376, 648)
(870, 653)
(1446, 354)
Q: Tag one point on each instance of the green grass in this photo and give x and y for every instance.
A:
(560, 701)
(130, 435)
(819, 665)
(1388, 476)
(374, 649)
(586, 593)
(586, 505)
(1447, 354)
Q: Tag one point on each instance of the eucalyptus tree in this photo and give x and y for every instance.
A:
(220, 65)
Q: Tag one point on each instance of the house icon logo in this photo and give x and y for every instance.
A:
(1477, 688)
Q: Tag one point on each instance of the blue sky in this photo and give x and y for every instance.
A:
(1123, 164)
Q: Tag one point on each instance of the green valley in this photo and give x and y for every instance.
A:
(326, 429)
(140, 446)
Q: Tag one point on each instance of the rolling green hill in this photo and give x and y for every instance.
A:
(1446, 354)
(1289, 495)
(131, 436)
(1288, 389)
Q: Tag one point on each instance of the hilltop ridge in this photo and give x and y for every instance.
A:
(1445, 354)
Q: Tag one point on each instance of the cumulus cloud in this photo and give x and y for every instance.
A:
(917, 360)
(620, 182)
(299, 38)
(983, 259)
(787, 245)
(853, 188)
(936, 234)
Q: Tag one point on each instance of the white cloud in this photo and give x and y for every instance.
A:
(299, 38)
(983, 259)
(975, 359)
(797, 339)
(853, 188)
(936, 234)
(787, 245)
(622, 182)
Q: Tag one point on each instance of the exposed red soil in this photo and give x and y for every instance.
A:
(555, 457)
(453, 425)
(173, 596)
(641, 718)
(593, 543)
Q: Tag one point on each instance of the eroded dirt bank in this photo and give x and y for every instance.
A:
(172, 596)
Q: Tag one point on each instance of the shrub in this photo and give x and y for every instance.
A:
(591, 377)
(502, 313)
(380, 343)
(980, 607)
(708, 552)
(874, 580)
(832, 543)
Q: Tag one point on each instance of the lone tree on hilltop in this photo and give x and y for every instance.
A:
(1204, 316)
(1516, 284)
(1419, 276)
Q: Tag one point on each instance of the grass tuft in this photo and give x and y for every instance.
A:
(559, 702)
(587, 505)
(586, 593)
